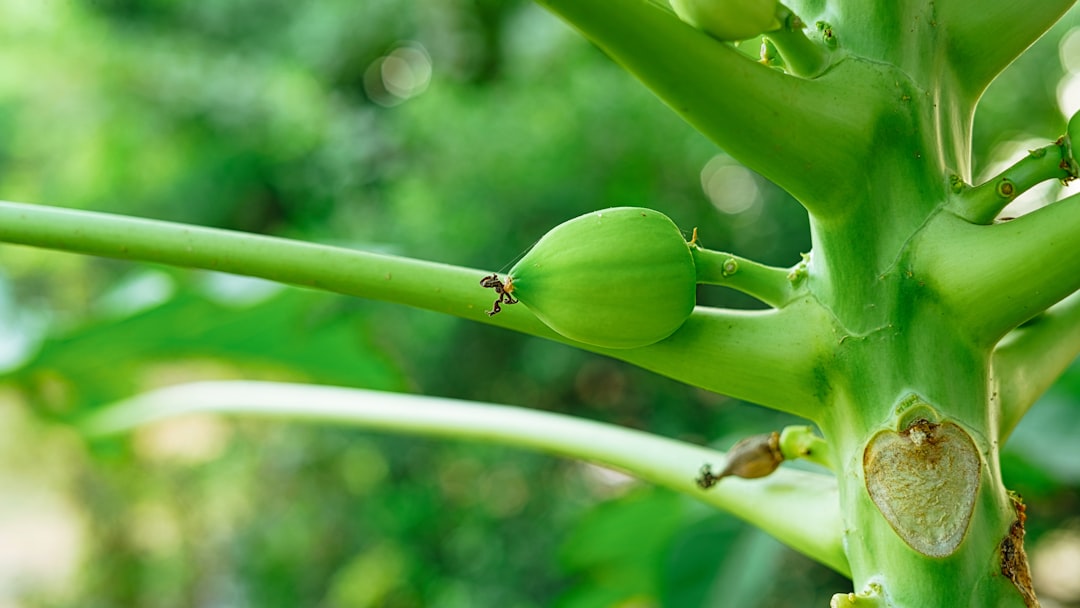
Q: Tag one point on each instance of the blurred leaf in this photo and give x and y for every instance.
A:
(294, 334)
(699, 555)
(616, 549)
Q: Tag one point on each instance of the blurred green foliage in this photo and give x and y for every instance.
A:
(452, 130)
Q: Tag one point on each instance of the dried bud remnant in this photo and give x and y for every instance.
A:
(753, 457)
(1006, 189)
(1014, 564)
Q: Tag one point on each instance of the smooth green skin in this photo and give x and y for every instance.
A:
(614, 278)
(910, 295)
(729, 19)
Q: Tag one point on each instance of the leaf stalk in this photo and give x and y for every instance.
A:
(798, 507)
(769, 284)
(981, 204)
(766, 357)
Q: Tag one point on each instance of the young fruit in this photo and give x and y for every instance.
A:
(616, 278)
(729, 19)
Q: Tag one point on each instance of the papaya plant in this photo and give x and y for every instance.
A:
(912, 337)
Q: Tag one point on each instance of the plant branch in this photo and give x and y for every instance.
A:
(767, 357)
(762, 357)
(774, 123)
(1032, 357)
(981, 204)
(769, 284)
(985, 37)
(799, 508)
(802, 56)
(993, 278)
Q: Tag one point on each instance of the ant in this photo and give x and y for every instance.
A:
(502, 290)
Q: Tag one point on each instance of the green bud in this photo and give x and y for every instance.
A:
(616, 278)
(729, 19)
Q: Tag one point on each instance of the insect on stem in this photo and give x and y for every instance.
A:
(502, 291)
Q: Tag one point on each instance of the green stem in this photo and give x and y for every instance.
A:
(763, 357)
(1031, 358)
(981, 204)
(797, 507)
(769, 284)
(986, 36)
(802, 442)
(808, 136)
(993, 278)
(802, 56)
(870, 597)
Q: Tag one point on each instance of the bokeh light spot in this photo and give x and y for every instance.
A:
(731, 188)
(1069, 94)
(401, 74)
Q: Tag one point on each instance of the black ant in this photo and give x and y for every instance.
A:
(502, 290)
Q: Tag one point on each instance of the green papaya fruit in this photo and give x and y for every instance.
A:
(617, 278)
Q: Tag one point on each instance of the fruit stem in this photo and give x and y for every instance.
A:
(769, 284)
(981, 204)
(801, 56)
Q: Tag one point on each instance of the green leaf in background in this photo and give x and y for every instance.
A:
(615, 551)
(291, 334)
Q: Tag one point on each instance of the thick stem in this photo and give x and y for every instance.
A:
(908, 36)
(797, 507)
(918, 519)
(996, 277)
(903, 358)
(986, 36)
(776, 124)
(764, 357)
